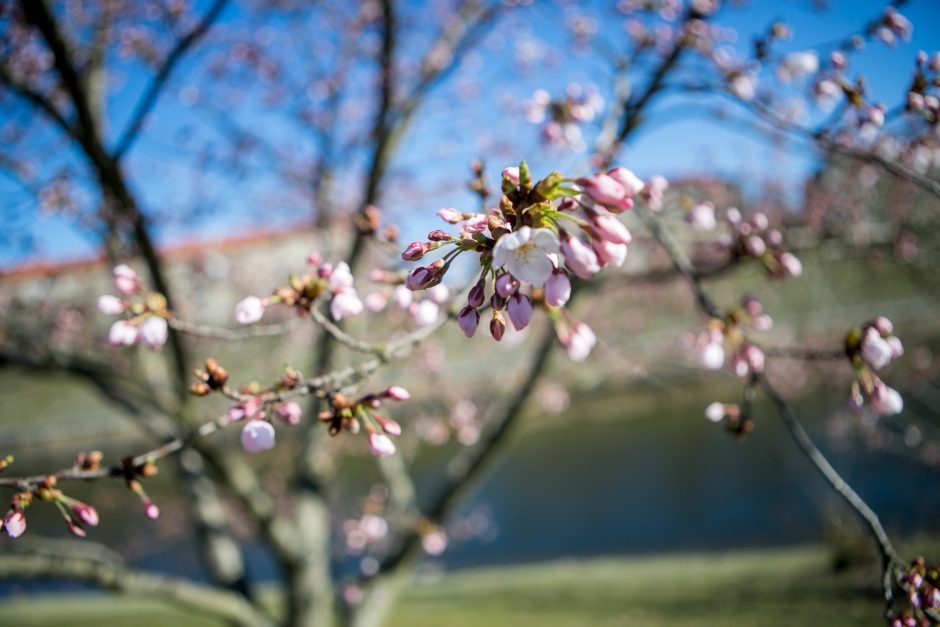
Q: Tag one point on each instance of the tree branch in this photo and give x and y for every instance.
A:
(111, 575)
(149, 100)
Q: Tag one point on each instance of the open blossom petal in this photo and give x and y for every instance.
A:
(524, 253)
(257, 436)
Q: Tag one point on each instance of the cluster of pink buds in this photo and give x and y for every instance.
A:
(302, 293)
(736, 421)
(729, 334)
(922, 584)
(345, 414)
(145, 313)
(869, 348)
(754, 238)
(528, 246)
(424, 308)
(922, 97)
(256, 406)
(560, 118)
(77, 515)
(893, 26)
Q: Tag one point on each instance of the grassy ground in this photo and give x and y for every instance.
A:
(793, 586)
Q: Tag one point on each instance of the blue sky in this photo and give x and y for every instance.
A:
(680, 137)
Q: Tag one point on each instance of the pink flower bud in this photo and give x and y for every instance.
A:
(884, 325)
(497, 326)
(439, 293)
(402, 297)
(126, 281)
(579, 257)
(434, 543)
(416, 250)
(512, 174)
(345, 304)
(86, 513)
(381, 445)
(151, 511)
(438, 235)
(580, 342)
(424, 313)
(711, 355)
(110, 305)
(715, 412)
(791, 265)
(341, 279)
(755, 246)
(875, 350)
(520, 311)
(506, 285)
(605, 190)
(423, 277)
(375, 302)
(257, 436)
(754, 357)
(388, 425)
(289, 412)
(153, 332)
(557, 289)
(122, 333)
(249, 310)
(610, 229)
(468, 320)
(314, 259)
(886, 401)
(477, 294)
(396, 393)
(450, 215)
(15, 523)
(631, 182)
(608, 253)
(75, 528)
(702, 216)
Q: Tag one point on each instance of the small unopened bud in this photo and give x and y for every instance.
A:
(438, 235)
(497, 326)
(397, 393)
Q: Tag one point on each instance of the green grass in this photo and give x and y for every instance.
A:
(791, 586)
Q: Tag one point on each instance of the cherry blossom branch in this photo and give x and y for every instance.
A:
(889, 557)
(149, 99)
(58, 563)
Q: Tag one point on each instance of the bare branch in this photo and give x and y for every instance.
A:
(59, 564)
(149, 99)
